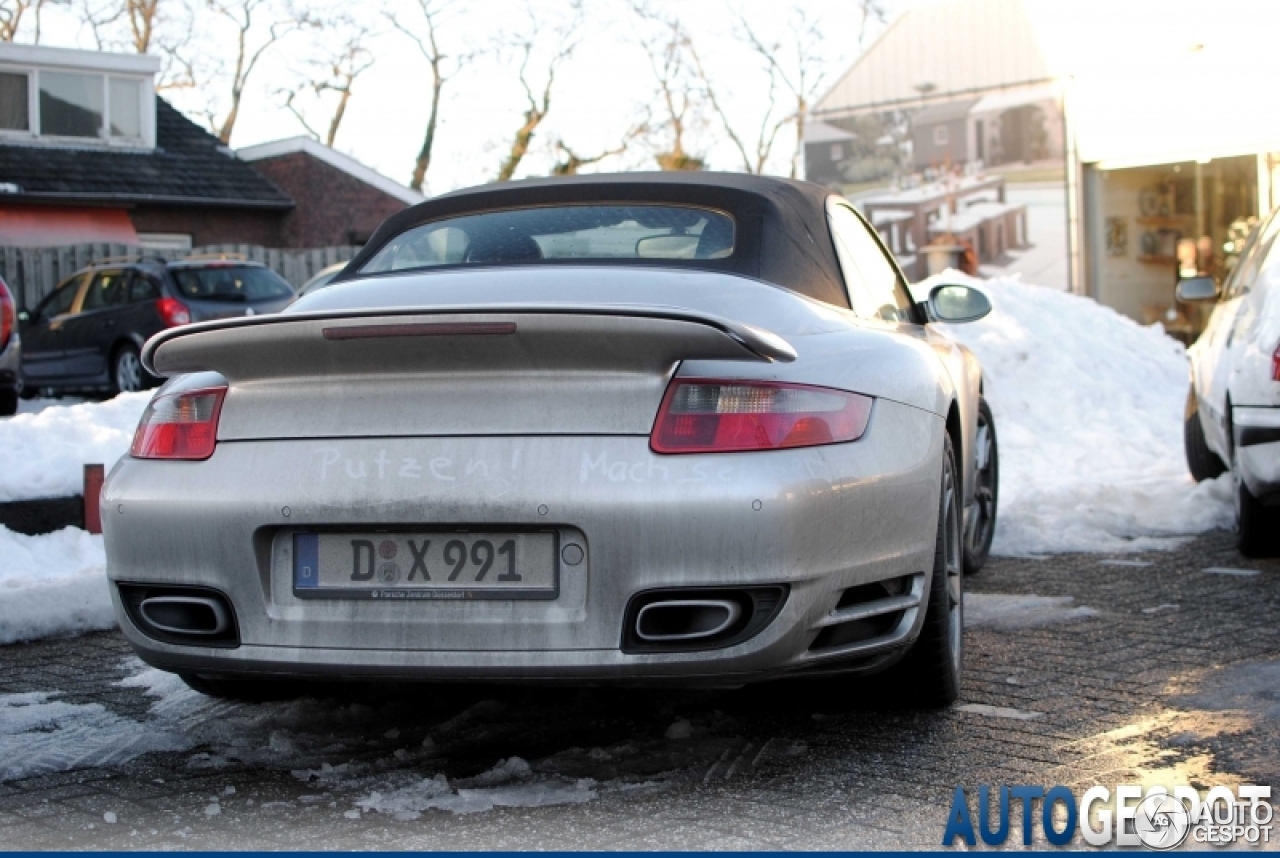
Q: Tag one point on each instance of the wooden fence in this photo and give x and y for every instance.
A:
(32, 272)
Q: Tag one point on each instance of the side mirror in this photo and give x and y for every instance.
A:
(949, 303)
(667, 247)
(1197, 289)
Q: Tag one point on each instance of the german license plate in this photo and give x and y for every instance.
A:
(428, 565)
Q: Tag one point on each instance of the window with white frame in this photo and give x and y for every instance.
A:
(72, 105)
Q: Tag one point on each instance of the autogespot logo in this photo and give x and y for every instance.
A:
(1155, 817)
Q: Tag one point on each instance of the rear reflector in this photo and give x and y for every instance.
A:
(713, 416)
(179, 425)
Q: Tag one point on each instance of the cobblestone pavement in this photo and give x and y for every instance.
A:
(1159, 673)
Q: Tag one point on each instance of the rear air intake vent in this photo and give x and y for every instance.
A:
(868, 613)
(694, 618)
(189, 616)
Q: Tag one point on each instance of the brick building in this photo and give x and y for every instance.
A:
(90, 154)
(337, 200)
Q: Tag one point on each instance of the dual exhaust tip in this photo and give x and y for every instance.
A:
(686, 619)
(191, 616)
(690, 619)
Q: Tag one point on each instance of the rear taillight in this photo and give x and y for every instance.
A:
(713, 416)
(173, 311)
(179, 425)
(1275, 364)
(7, 314)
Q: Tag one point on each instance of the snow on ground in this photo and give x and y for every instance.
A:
(1005, 611)
(43, 453)
(1088, 407)
(52, 584)
(40, 733)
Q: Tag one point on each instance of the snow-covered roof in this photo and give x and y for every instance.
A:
(333, 158)
(823, 132)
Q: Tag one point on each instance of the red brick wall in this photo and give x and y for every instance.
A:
(213, 225)
(333, 207)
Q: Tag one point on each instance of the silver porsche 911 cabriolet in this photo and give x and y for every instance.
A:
(646, 428)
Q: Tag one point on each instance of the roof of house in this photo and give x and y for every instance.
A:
(333, 158)
(781, 233)
(189, 166)
(940, 52)
(947, 112)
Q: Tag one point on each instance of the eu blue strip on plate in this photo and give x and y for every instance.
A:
(306, 560)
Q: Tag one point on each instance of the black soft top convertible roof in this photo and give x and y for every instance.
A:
(782, 235)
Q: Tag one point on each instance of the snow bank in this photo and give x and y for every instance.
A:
(52, 584)
(1088, 407)
(43, 454)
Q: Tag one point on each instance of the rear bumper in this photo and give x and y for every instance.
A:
(828, 518)
(1257, 438)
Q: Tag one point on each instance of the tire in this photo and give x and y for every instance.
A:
(986, 492)
(1203, 463)
(1257, 526)
(8, 402)
(243, 690)
(929, 675)
(127, 374)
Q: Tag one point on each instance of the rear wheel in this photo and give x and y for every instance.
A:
(8, 402)
(929, 675)
(127, 375)
(1203, 463)
(982, 519)
(1257, 526)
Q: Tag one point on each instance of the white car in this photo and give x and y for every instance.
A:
(1233, 410)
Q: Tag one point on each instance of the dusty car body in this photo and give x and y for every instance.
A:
(488, 467)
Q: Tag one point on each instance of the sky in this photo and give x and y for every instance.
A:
(1123, 52)
(601, 91)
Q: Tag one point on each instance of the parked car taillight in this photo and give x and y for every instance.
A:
(179, 425)
(1275, 364)
(714, 416)
(173, 312)
(7, 315)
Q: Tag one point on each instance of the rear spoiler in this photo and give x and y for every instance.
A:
(458, 338)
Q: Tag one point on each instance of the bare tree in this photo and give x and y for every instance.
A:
(569, 162)
(538, 105)
(669, 49)
(872, 11)
(426, 34)
(336, 76)
(11, 15)
(794, 60)
(252, 41)
(770, 122)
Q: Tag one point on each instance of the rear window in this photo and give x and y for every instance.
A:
(559, 233)
(232, 283)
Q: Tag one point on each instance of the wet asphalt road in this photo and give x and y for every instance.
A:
(1160, 673)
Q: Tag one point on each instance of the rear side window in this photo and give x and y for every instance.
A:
(231, 283)
(559, 233)
(107, 288)
(143, 288)
(875, 290)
